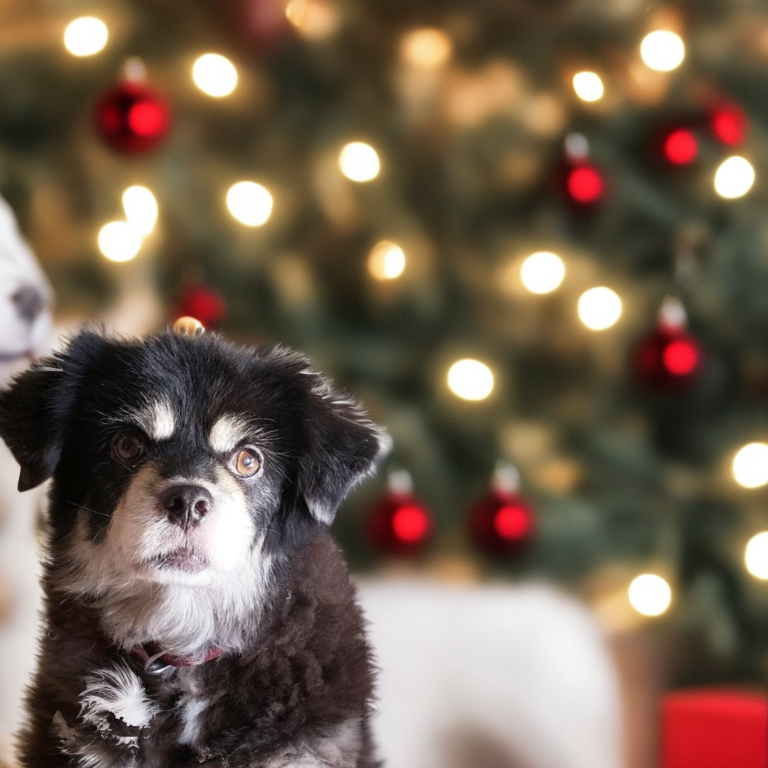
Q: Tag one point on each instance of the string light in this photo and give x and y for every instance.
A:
(85, 36)
(214, 75)
(750, 465)
(650, 595)
(470, 379)
(140, 208)
(386, 261)
(119, 241)
(588, 86)
(662, 50)
(599, 308)
(734, 177)
(426, 48)
(542, 272)
(249, 203)
(359, 162)
(756, 555)
(314, 19)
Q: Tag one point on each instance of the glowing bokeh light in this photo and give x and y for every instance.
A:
(599, 308)
(85, 36)
(214, 75)
(249, 203)
(386, 261)
(588, 86)
(756, 555)
(470, 379)
(542, 272)
(426, 48)
(650, 594)
(750, 465)
(359, 162)
(662, 50)
(734, 177)
(119, 241)
(140, 208)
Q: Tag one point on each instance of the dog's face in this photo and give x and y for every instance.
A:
(25, 297)
(183, 461)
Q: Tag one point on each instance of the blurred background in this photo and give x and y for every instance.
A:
(530, 235)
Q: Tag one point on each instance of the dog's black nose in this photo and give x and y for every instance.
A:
(29, 303)
(186, 504)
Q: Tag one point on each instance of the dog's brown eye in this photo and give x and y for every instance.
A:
(128, 448)
(246, 463)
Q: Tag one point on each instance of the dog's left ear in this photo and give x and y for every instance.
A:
(343, 447)
(29, 425)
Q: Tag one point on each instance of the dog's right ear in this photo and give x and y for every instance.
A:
(30, 424)
(35, 410)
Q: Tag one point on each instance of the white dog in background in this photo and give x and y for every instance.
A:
(25, 331)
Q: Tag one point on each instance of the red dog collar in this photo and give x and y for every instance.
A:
(148, 654)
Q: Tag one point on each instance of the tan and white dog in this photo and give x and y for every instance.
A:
(25, 331)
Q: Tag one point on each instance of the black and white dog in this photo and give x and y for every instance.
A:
(197, 610)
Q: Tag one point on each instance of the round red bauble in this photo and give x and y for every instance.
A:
(729, 124)
(680, 146)
(400, 524)
(584, 184)
(502, 523)
(202, 303)
(669, 359)
(132, 118)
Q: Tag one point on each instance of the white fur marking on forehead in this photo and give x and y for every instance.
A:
(157, 420)
(227, 432)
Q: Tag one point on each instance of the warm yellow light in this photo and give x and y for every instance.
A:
(119, 241)
(662, 50)
(249, 203)
(734, 177)
(214, 75)
(426, 48)
(650, 594)
(386, 261)
(85, 36)
(359, 162)
(470, 379)
(599, 308)
(588, 86)
(750, 465)
(140, 208)
(315, 19)
(756, 555)
(542, 272)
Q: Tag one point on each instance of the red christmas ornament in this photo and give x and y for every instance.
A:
(400, 524)
(680, 146)
(670, 358)
(202, 303)
(503, 522)
(132, 118)
(584, 184)
(729, 124)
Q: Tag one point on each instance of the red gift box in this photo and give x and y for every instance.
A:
(714, 728)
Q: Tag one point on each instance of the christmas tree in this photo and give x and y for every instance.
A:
(522, 233)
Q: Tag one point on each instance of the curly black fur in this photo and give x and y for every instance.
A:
(294, 684)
